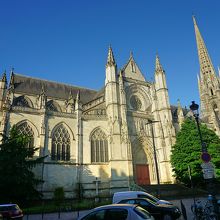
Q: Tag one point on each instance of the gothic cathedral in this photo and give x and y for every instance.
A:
(117, 136)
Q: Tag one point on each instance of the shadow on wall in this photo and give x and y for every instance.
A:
(85, 181)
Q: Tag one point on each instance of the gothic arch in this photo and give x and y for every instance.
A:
(66, 126)
(95, 129)
(23, 101)
(142, 153)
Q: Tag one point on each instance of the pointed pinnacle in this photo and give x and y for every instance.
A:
(178, 103)
(158, 66)
(42, 89)
(4, 78)
(11, 83)
(78, 95)
(111, 59)
(70, 95)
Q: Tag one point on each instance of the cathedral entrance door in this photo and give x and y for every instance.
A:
(142, 174)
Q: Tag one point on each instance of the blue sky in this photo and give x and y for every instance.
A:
(67, 41)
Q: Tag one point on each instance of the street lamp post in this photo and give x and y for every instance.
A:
(195, 109)
(207, 166)
(155, 156)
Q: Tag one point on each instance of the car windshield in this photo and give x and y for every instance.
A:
(142, 213)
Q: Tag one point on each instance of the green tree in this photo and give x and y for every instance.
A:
(187, 152)
(18, 182)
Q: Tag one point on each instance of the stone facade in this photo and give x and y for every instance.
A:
(92, 138)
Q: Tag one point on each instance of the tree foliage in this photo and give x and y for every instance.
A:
(18, 182)
(186, 153)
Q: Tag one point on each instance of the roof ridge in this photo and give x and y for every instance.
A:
(51, 81)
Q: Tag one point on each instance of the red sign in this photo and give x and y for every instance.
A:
(205, 157)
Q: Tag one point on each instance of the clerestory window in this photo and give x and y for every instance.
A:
(60, 144)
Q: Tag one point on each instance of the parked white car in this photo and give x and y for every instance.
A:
(118, 211)
(118, 196)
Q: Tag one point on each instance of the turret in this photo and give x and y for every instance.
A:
(161, 85)
(111, 86)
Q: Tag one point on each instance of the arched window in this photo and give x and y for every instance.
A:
(60, 144)
(25, 129)
(99, 147)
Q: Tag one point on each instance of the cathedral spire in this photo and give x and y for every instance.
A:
(206, 68)
(111, 59)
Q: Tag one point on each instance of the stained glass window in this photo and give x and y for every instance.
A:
(60, 144)
(99, 147)
(25, 129)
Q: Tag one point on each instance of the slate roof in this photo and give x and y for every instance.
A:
(33, 86)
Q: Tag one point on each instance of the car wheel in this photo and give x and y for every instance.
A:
(167, 217)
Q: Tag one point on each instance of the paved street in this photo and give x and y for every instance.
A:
(73, 215)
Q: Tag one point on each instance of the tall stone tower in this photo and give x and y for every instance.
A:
(209, 85)
(117, 124)
(164, 115)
